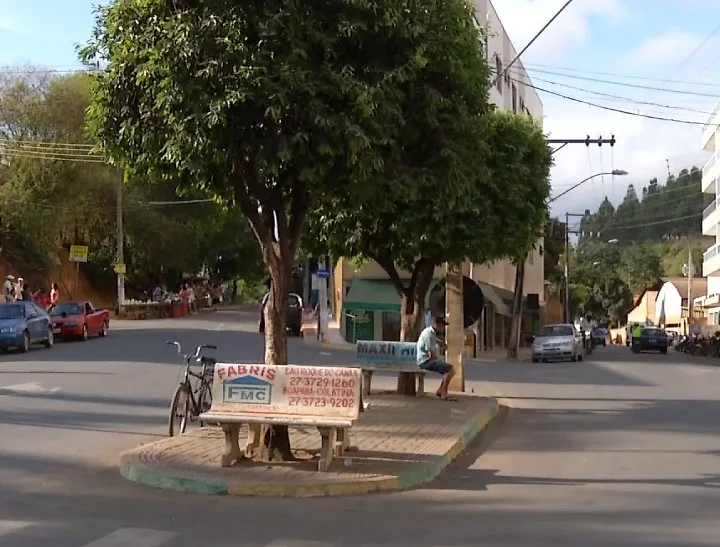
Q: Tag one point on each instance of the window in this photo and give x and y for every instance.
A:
(522, 108)
(88, 308)
(513, 91)
(498, 70)
(30, 312)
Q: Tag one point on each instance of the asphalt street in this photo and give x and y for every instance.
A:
(620, 450)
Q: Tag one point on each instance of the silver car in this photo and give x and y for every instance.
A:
(556, 343)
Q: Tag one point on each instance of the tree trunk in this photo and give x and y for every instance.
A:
(412, 313)
(516, 323)
(277, 438)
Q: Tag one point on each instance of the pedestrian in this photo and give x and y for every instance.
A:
(54, 295)
(428, 356)
(8, 288)
(27, 293)
(19, 289)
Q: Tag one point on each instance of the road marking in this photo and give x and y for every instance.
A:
(133, 537)
(325, 353)
(220, 326)
(300, 543)
(10, 526)
(33, 387)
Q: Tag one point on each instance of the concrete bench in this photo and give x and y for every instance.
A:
(262, 396)
(372, 355)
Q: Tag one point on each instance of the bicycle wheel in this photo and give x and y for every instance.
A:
(179, 411)
(205, 402)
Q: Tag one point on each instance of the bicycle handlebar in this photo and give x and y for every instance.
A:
(198, 350)
(202, 347)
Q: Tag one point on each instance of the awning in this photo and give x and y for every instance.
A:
(374, 295)
(492, 296)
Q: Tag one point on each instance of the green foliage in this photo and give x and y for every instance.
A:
(661, 212)
(47, 202)
(641, 268)
(597, 286)
(268, 104)
(652, 232)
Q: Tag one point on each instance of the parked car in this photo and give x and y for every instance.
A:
(293, 314)
(79, 320)
(23, 324)
(599, 336)
(557, 342)
(652, 339)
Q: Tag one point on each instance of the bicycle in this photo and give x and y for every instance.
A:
(188, 403)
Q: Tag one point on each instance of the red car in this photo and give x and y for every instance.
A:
(78, 320)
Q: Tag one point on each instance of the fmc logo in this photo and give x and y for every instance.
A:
(248, 390)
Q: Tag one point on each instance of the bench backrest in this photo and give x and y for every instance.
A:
(329, 392)
(375, 352)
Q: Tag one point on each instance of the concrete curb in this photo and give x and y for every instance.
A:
(135, 471)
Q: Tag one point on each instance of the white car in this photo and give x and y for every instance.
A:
(557, 343)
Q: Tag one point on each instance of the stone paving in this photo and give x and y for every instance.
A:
(400, 441)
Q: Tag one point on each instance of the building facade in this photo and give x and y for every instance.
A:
(710, 141)
(367, 305)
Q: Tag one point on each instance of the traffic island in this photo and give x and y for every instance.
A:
(402, 443)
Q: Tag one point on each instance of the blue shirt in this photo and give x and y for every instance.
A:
(427, 342)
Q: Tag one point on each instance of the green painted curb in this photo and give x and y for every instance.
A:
(140, 473)
(425, 473)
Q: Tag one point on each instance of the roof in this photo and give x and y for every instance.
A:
(681, 284)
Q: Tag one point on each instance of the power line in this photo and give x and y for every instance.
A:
(609, 108)
(625, 99)
(532, 40)
(574, 70)
(626, 84)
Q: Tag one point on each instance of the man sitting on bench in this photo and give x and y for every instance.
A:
(428, 357)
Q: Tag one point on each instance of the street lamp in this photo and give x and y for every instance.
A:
(614, 172)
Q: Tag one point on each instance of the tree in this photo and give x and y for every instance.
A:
(266, 105)
(424, 205)
(520, 161)
(597, 286)
(640, 267)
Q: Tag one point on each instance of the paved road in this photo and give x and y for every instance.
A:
(618, 451)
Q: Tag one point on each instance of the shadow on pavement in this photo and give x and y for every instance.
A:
(149, 346)
(76, 497)
(584, 373)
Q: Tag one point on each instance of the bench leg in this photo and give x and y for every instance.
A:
(254, 440)
(366, 381)
(342, 441)
(326, 450)
(232, 448)
(420, 385)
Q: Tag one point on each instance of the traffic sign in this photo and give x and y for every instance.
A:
(78, 253)
(120, 269)
(323, 273)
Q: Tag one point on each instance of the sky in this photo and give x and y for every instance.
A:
(619, 54)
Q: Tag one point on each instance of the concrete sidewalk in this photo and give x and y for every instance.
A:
(402, 443)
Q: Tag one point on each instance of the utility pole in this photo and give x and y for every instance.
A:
(322, 299)
(568, 231)
(690, 269)
(567, 268)
(587, 141)
(120, 259)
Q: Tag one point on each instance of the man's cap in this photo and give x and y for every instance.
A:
(441, 320)
(9, 276)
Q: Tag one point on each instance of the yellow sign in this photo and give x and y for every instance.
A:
(78, 253)
(120, 269)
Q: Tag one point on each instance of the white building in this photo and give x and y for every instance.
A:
(710, 141)
(514, 90)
